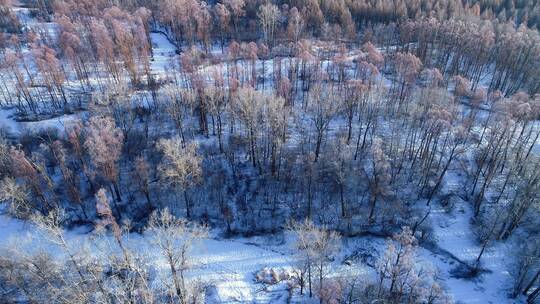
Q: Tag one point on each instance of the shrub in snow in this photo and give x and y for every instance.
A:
(331, 291)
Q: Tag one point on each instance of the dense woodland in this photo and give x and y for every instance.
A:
(323, 119)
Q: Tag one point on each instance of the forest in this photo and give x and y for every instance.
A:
(269, 151)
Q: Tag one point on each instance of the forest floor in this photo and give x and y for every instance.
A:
(230, 264)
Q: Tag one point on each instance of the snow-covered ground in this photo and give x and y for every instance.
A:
(8, 123)
(230, 264)
(164, 53)
(453, 233)
(15, 128)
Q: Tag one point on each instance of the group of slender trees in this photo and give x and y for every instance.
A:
(97, 44)
(346, 114)
(107, 269)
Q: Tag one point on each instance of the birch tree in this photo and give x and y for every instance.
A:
(180, 166)
(176, 239)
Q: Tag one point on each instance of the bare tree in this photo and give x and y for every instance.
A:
(104, 210)
(216, 104)
(295, 26)
(104, 145)
(16, 197)
(247, 106)
(71, 177)
(223, 16)
(32, 171)
(129, 282)
(396, 265)
(177, 104)
(268, 16)
(176, 239)
(180, 166)
(322, 109)
(340, 169)
(378, 176)
(276, 115)
(316, 248)
(50, 225)
(141, 175)
(526, 270)
(407, 67)
(236, 7)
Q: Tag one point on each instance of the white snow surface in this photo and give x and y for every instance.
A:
(230, 264)
(16, 128)
(163, 53)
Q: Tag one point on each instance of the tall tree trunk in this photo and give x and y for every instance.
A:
(174, 273)
(188, 207)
